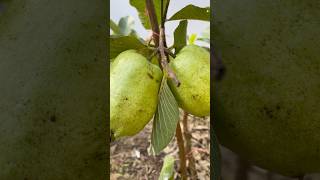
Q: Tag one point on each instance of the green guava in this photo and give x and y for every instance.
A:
(134, 86)
(192, 68)
(267, 106)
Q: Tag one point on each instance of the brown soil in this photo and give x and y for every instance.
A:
(131, 158)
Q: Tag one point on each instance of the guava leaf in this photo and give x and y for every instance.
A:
(215, 156)
(180, 36)
(192, 12)
(126, 25)
(165, 119)
(114, 27)
(167, 170)
(120, 43)
(140, 5)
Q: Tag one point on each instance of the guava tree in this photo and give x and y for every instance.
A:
(150, 79)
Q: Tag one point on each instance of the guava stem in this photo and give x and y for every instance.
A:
(187, 137)
(164, 59)
(164, 16)
(159, 37)
(153, 21)
(182, 154)
(169, 52)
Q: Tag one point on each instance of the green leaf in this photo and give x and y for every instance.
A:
(167, 170)
(126, 25)
(192, 12)
(215, 156)
(192, 38)
(114, 27)
(119, 44)
(166, 118)
(140, 5)
(180, 36)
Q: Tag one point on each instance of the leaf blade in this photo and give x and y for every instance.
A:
(166, 118)
(114, 27)
(192, 12)
(119, 44)
(180, 36)
(167, 170)
(126, 25)
(140, 6)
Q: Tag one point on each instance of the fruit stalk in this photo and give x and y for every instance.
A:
(164, 59)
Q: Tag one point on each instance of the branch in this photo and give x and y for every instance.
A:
(182, 154)
(159, 39)
(164, 17)
(165, 12)
(164, 59)
(187, 136)
(153, 21)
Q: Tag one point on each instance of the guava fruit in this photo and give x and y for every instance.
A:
(192, 68)
(53, 84)
(267, 106)
(134, 87)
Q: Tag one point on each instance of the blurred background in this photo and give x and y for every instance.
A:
(235, 168)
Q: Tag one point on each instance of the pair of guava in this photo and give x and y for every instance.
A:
(135, 83)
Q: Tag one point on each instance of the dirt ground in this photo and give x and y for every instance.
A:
(130, 158)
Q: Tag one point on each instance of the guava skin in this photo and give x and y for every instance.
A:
(53, 84)
(192, 68)
(134, 86)
(267, 106)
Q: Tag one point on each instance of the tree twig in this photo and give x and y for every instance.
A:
(153, 21)
(188, 136)
(169, 52)
(164, 11)
(182, 154)
(164, 60)
(159, 38)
